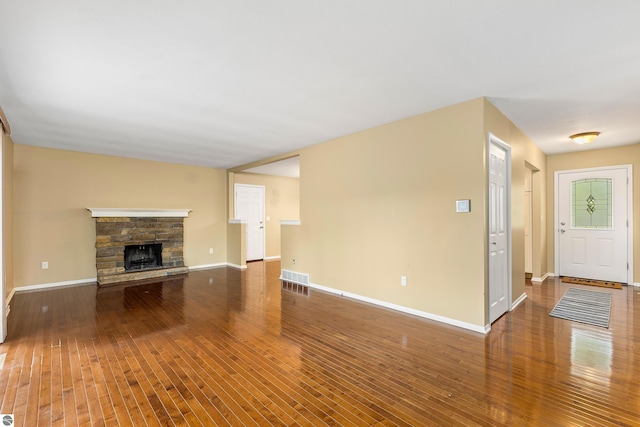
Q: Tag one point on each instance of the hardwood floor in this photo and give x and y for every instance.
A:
(224, 347)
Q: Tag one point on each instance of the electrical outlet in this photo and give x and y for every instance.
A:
(45, 265)
(403, 280)
(294, 261)
(210, 250)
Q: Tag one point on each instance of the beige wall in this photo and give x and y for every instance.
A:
(7, 211)
(589, 159)
(282, 202)
(380, 204)
(236, 245)
(524, 155)
(53, 188)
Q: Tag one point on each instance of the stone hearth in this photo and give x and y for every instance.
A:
(141, 227)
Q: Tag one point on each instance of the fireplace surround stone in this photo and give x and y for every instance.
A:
(143, 227)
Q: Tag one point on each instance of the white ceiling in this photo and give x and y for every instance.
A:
(224, 83)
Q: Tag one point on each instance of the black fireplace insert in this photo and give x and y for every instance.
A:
(142, 257)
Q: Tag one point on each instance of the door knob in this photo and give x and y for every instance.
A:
(562, 223)
(562, 230)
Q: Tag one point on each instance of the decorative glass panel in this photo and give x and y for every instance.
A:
(592, 203)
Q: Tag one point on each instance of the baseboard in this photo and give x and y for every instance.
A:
(208, 266)
(55, 285)
(10, 296)
(541, 279)
(94, 280)
(636, 284)
(8, 303)
(403, 309)
(517, 302)
(7, 306)
(218, 265)
(271, 258)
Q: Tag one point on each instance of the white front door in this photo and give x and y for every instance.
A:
(592, 223)
(499, 228)
(249, 207)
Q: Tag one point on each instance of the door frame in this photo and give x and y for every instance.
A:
(528, 223)
(494, 140)
(556, 214)
(4, 309)
(264, 208)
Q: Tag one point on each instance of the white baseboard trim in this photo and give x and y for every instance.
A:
(7, 302)
(517, 302)
(10, 296)
(541, 279)
(208, 266)
(271, 258)
(403, 309)
(94, 280)
(636, 284)
(218, 265)
(55, 285)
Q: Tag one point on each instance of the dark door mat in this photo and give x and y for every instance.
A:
(590, 282)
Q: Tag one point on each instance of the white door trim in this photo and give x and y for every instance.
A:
(556, 213)
(492, 139)
(4, 311)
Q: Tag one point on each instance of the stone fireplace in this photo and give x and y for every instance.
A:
(134, 244)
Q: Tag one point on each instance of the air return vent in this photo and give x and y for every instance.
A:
(295, 288)
(292, 276)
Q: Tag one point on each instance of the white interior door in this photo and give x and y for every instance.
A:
(249, 207)
(499, 229)
(592, 223)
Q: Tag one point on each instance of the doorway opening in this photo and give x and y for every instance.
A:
(281, 182)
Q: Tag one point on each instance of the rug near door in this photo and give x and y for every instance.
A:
(584, 306)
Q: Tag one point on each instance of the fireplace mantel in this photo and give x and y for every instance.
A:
(138, 213)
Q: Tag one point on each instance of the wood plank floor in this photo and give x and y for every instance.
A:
(224, 347)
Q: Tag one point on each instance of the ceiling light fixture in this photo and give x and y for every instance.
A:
(584, 137)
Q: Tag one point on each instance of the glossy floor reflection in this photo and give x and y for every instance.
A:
(224, 347)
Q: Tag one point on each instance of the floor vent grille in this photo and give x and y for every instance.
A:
(295, 288)
(295, 277)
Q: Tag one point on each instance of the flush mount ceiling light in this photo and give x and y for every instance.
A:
(584, 137)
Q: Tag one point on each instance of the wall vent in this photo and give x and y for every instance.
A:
(293, 276)
(295, 288)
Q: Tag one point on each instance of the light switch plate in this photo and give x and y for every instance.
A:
(463, 205)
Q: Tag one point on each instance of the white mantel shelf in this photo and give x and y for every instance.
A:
(141, 213)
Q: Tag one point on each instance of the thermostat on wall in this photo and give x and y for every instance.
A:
(463, 205)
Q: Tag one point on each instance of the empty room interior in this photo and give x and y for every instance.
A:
(241, 213)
